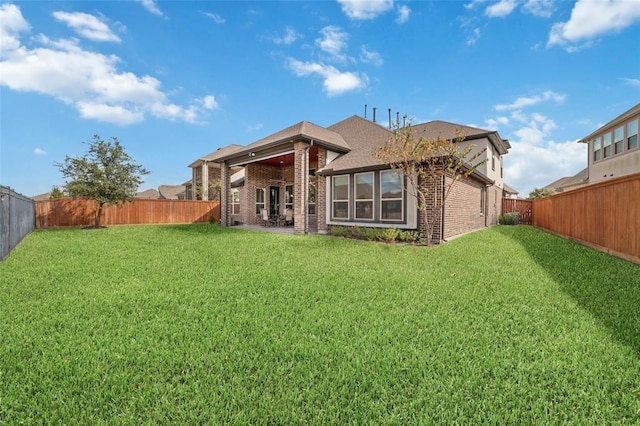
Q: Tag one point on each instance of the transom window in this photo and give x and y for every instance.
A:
(364, 196)
(340, 197)
(391, 195)
(259, 200)
(235, 201)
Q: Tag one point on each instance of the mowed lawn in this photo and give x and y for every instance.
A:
(199, 324)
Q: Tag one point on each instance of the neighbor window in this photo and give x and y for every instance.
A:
(493, 163)
(364, 196)
(606, 145)
(340, 197)
(618, 138)
(288, 197)
(596, 148)
(632, 134)
(235, 201)
(259, 200)
(391, 195)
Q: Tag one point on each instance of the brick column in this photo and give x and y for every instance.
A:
(321, 193)
(225, 193)
(300, 177)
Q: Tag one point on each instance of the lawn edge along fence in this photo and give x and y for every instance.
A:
(17, 219)
(64, 212)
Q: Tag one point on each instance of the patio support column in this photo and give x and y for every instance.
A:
(321, 194)
(225, 191)
(204, 189)
(300, 190)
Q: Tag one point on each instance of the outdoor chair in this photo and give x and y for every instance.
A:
(266, 220)
(288, 217)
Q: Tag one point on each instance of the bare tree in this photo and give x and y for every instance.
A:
(426, 164)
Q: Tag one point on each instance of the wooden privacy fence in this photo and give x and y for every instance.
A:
(605, 216)
(521, 206)
(81, 212)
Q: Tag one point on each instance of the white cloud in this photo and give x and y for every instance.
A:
(540, 8)
(335, 82)
(591, 18)
(12, 25)
(523, 102)
(370, 57)
(365, 9)
(403, 13)
(87, 26)
(89, 81)
(216, 18)
(633, 82)
(151, 6)
(39, 151)
(255, 127)
(501, 8)
(289, 37)
(474, 3)
(474, 37)
(535, 159)
(333, 42)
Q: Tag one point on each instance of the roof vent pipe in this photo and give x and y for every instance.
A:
(389, 117)
(374, 114)
(397, 118)
(365, 111)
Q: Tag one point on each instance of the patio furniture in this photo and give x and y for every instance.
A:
(266, 219)
(288, 217)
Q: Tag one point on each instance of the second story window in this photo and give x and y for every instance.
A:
(606, 145)
(596, 148)
(632, 134)
(618, 138)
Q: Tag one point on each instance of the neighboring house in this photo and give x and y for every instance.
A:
(568, 183)
(42, 197)
(149, 194)
(509, 192)
(331, 176)
(613, 148)
(172, 192)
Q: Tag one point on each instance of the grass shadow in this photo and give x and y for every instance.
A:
(605, 286)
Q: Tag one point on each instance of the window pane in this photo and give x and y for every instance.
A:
(260, 196)
(607, 151)
(632, 128)
(391, 184)
(341, 187)
(618, 147)
(288, 194)
(632, 142)
(364, 186)
(341, 209)
(606, 139)
(392, 210)
(618, 134)
(364, 209)
(596, 144)
(596, 156)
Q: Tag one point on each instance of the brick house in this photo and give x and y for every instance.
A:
(331, 176)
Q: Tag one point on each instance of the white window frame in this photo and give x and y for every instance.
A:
(597, 152)
(357, 200)
(334, 200)
(629, 136)
(401, 199)
(235, 203)
(606, 143)
(261, 205)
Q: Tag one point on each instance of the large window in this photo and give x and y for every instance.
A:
(596, 148)
(235, 201)
(259, 200)
(606, 145)
(632, 134)
(288, 197)
(340, 197)
(364, 196)
(391, 195)
(311, 202)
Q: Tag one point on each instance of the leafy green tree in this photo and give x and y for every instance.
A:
(425, 163)
(56, 192)
(541, 193)
(105, 173)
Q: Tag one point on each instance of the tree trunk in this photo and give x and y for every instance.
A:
(98, 215)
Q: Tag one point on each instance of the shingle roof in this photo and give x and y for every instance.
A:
(364, 137)
(447, 130)
(219, 153)
(579, 178)
(149, 194)
(171, 192)
(303, 129)
(509, 189)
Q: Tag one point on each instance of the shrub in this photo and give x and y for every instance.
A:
(508, 219)
(339, 231)
(369, 234)
(408, 236)
(388, 234)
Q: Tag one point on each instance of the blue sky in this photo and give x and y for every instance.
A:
(176, 80)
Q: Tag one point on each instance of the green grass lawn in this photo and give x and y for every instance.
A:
(199, 324)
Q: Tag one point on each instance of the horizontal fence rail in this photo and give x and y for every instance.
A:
(61, 212)
(605, 216)
(17, 219)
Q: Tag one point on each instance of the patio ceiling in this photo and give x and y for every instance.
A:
(287, 160)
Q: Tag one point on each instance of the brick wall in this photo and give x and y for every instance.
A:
(321, 193)
(434, 199)
(462, 212)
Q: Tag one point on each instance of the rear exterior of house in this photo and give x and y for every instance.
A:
(331, 176)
